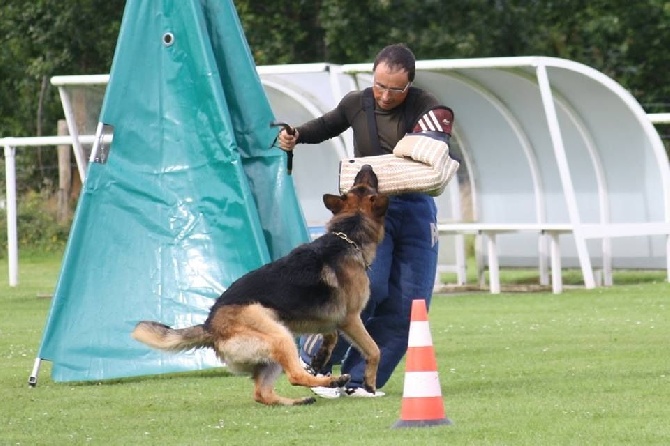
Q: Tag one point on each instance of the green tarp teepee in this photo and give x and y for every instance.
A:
(190, 197)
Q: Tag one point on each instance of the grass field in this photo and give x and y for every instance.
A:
(588, 367)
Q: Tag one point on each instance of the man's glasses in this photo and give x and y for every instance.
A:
(391, 90)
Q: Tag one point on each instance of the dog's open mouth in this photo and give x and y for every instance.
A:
(366, 177)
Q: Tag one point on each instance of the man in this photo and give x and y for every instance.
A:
(405, 266)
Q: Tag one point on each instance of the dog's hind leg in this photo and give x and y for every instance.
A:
(285, 352)
(264, 378)
(261, 339)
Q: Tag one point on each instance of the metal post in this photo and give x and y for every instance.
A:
(564, 174)
(32, 381)
(74, 133)
(12, 239)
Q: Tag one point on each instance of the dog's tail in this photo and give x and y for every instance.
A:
(162, 337)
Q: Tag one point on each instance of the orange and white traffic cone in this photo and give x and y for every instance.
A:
(422, 403)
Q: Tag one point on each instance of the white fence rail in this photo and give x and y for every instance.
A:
(659, 118)
(10, 145)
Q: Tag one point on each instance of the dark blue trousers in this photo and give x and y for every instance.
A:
(403, 270)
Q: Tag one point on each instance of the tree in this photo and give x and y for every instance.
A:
(45, 38)
(282, 32)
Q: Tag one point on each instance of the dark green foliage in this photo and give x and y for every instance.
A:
(38, 230)
(282, 32)
(41, 39)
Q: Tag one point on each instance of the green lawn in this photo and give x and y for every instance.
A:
(588, 367)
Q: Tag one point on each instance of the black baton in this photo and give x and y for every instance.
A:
(289, 153)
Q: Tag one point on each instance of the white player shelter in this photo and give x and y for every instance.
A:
(543, 142)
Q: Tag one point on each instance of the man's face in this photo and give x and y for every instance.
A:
(390, 87)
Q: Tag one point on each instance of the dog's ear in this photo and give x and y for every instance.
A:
(334, 203)
(380, 204)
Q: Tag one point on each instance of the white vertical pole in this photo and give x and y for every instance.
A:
(74, 133)
(12, 239)
(607, 262)
(556, 268)
(542, 259)
(564, 173)
(96, 144)
(494, 266)
(459, 239)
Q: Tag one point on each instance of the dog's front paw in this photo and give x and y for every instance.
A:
(370, 389)
(340, 381)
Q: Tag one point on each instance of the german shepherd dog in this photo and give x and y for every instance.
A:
(319, 287)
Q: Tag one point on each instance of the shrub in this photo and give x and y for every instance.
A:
(37, 225)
